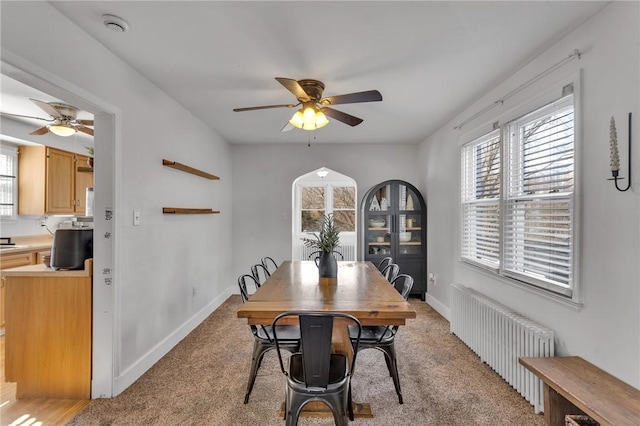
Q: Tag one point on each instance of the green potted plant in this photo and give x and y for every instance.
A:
(326, 241)
(90, 159)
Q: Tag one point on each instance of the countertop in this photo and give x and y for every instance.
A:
(41, 270)
(28, 243)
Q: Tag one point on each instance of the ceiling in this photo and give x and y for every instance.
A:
(430, 60)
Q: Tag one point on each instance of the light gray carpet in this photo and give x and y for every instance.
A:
(203, 379)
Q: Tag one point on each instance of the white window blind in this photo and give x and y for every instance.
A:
(538, 207)
(481, 200)
(8, 185)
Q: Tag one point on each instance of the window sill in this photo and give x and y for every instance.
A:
(546, 294)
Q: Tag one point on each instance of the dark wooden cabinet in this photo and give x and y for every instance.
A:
(394, 221)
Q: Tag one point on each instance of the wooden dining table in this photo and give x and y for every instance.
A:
(359, 290)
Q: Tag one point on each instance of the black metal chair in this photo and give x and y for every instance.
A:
(383, 337)
(316, 254)
(384, 262)
(391, 271)
(316, 374)
(263, 339)
(260, 273)
(270, 264)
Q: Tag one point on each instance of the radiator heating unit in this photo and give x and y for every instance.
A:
(499, 336)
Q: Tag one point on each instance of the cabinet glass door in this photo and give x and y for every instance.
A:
(379, 222)
(409, 222)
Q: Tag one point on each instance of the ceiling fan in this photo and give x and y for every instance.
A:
(63, 121)
(315, 109)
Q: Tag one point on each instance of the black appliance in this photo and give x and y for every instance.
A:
(71, 247)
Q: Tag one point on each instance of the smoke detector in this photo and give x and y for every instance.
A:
(115, 23)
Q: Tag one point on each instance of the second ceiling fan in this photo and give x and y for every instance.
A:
(315, 108)
(63, 119)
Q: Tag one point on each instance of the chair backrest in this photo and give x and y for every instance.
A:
(403, 283)
(260, 273)
(242, 284)
(270, 264)
(391, 271)
(316, 254)
(316, 329)
(384, 262)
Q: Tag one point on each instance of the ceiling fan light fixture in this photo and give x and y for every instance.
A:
(321, 119)
(297, 120)
(309, 117)
(62, 129)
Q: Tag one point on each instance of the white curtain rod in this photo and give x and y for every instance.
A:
(575, 53)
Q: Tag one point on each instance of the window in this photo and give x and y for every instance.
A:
(481, 201)
(316, 201)
(8, 186)
(312, 208)
(518, 213)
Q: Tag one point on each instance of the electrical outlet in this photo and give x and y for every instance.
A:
(433, 278)
(43, 222)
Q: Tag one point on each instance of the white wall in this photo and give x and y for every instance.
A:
(156, 265)
(262, 180)
(606, 330)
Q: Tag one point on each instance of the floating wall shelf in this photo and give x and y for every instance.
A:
(180, 210)
(184, 168)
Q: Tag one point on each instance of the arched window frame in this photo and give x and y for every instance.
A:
(348, 239)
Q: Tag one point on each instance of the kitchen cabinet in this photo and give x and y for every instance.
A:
(16, 259)
(48, 331)
(12, 261)
(83, 180)
(49, 181)
(394, 221)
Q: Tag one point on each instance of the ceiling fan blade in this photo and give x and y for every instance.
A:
(47, 108)
(287, 127)
(342, 116)
(85, 130)
(264, 107)
(352, 98)
(294, 87)
(25, 116)
(86, 122)
(40, 131)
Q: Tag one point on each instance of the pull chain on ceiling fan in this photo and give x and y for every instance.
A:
(63, 121)
(314, 111)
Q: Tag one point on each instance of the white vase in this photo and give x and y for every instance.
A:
(409, 202)
(375, 206)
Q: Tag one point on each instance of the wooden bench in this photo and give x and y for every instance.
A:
(575, 386)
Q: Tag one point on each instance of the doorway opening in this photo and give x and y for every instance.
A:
(316, 194)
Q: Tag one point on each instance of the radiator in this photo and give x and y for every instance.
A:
(499, 335)
(348, 251)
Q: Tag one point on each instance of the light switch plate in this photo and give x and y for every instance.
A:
(136, 218)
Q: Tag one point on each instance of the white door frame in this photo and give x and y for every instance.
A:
(107, 176)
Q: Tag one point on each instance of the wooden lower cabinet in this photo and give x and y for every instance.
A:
(17, 259)
(48, 332)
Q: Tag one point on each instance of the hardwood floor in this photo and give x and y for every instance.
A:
(34, 412)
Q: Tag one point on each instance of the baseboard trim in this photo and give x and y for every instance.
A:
(438, 306)
(133, 373)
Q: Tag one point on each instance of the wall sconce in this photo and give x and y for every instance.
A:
(322, 173)
(615, 158)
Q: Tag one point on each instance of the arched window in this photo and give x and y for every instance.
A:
(319, 193)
